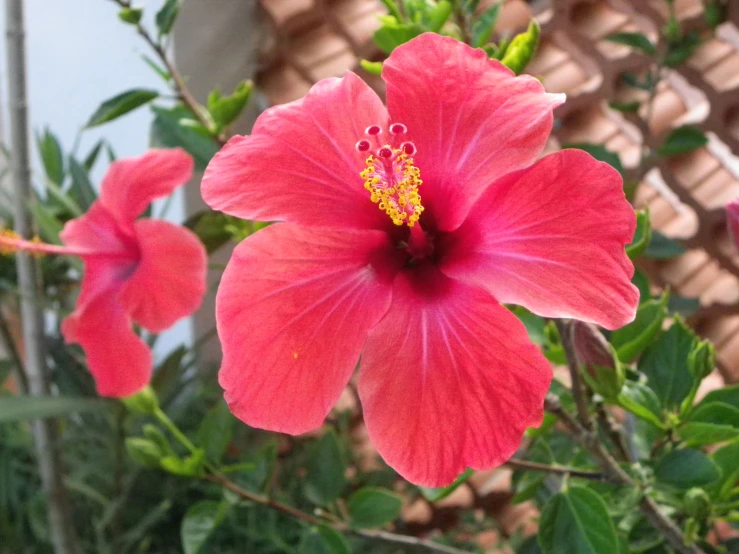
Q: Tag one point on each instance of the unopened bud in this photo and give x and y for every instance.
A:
(145, 401)
(603, 372)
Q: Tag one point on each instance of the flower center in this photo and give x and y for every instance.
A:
(391, 177)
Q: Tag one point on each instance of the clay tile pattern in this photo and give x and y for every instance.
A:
(686, 195)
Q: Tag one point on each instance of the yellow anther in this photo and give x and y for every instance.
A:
(6, 247)
(393, 185)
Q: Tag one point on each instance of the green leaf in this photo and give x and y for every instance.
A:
(624, 107)
(680, 51)
(727, 395)
(641, 281)
(662, 247)
(215, 431)
(167, 16)
(528, 483)
(226, 109)
(191, 466)
(683, 305)
(576, 521)
(436, 494)
(170, 130)
(92, 157)
(725, 458)
(121, 104)
(52, 157)
(710, 423)
(469, 7)
(641, 401)
(161, 71)
(682, 140)
(393, 9)
(325, 479)
(642, 235)
(600, 153)
(144, 451)
(483, 26)
(200, 521)
(522, 49)
(130, 15)
(373, 68)
(81, 190)
(686, 468)
(630, 341)
(665, 364)
(635, 40)
(390, 36)
(535, 325)
(701, 434)
(20, 408)
(322, 539)
(438, 15)
(210, 227)
(373, 507)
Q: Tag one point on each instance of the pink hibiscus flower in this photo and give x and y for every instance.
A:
(467, 220)
(145, 270)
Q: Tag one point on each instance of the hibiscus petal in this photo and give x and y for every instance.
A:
(131, 184)
(551, 238)
(119, 360)
(299, 164)
(97, 232)
(293, 310)
(449, 380)
(169, 280)
(471, 119)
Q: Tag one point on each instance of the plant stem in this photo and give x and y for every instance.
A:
(461, 21)
(338, 525)
(610, 467)
(45, 432)
(9, 344)
(180, 87)
(556, 469)
(614, 431)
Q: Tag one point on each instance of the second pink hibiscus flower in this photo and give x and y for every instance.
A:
(404, 229)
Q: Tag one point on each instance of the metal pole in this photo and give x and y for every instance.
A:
(45, 432)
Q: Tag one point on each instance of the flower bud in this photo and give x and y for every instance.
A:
(603, 372)
(702, 360)
(697, 504)
(145, 401)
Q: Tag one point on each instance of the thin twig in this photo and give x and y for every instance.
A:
(338, 525)
(559, 470)
(183, 93)
(6, 338)
(461, 21)
(45, 431)
(614, 431)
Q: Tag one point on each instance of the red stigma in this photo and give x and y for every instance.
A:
(362, 145)
(385, 152)
(398, 129)
(373, 130)
(409, 148)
